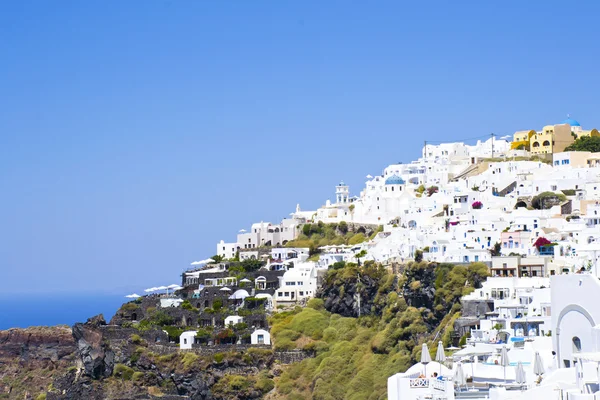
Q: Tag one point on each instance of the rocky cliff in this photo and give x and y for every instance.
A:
(30, 359)
(94, 360)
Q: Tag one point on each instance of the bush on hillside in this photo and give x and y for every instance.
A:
(585, 143)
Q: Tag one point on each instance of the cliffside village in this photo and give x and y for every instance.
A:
(525, 207)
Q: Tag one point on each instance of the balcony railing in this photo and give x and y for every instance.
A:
(419, 383)
(438, 385)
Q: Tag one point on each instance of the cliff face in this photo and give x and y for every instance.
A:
(31, 358)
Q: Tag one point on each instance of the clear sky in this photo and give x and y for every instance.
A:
(134, 135)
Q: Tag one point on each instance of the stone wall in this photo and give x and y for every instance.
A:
(566, 208)
(283, 357)
(474, 308)
(292, 356)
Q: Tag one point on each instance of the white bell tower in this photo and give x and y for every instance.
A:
(342, 193)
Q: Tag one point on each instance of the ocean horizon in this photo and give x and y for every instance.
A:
(25, 310)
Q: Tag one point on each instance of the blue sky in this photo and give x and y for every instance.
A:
(135, 135)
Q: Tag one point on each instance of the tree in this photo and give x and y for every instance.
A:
(585, 143)
(343, 226)
(418, 256)
(496, 249)
(546, 200)
(251, 264)
(431, 190)
(218, 258)
(360, 255)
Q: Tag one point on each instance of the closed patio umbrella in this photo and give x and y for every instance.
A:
(538, 366)
(504, 361)
(425, 357)
(459, 376)
(520, 374)
(440, 356)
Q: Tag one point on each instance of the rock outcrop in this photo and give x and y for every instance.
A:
(31, 358)
(97, 357)
(354, 291)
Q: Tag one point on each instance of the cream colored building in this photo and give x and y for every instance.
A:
(552, 139)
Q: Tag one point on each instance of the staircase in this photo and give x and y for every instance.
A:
(471, 170)
(509, 189)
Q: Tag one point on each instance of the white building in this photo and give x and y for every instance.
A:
(187, 339)
(260, 336)
(297, 284)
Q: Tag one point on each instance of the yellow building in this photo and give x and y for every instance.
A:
(521, 140)
(552, 138)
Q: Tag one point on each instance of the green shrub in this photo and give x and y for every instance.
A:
(288, 334)
(310, 322)
(264, 385)
(186, 305)
(123, 371)
(189, 359)
(284, 344)
(219, 357)
(217, 304)
(316, 304)
(41, 396)
(136, 339)
(137, 376)
(131, 306)
(357, 239)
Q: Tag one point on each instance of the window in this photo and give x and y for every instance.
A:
(576, 344)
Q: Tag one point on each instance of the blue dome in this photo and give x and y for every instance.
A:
(571, 122)
(394, 180)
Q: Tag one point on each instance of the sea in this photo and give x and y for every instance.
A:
(25, 310)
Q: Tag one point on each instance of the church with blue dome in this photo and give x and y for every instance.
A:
(394, 180)
(571, 122)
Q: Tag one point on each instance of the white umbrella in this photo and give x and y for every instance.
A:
(210, 261)
(198, 262)
(225, 289)
(504, 361)
(440, 356)
(425, 357)
(162, 288)
(459, 376)
(520, 373)
(173, 286)
(152, 289)
(452, 348)
(538, 366)
(242, 230)
(133, 296)
(369, 176)
(246, 280)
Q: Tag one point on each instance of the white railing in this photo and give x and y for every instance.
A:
(419, 383)
(438, 384)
